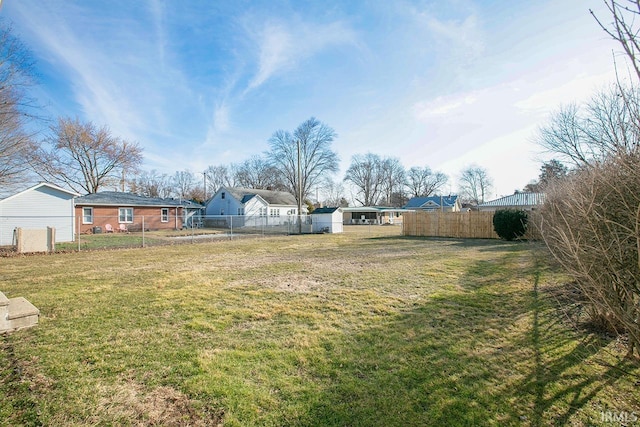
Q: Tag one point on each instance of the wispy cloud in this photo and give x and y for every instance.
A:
(157, 12)
(282, 46)
(464, 37)
(443, 105)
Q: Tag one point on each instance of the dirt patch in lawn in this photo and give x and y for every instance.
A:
(162, 406)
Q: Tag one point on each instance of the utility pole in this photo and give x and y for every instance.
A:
(204, 174)
(299, 193)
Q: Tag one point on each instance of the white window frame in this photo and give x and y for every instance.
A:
(127, 219)
(164, 214)
(89, 216)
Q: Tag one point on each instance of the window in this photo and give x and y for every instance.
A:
(164, 215)
(240, 211)
(87, 215)
(125, 215)
(222, 195)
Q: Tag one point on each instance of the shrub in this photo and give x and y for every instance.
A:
(510, 224)
(591, 224)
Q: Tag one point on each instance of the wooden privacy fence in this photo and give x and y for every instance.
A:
(462, 225)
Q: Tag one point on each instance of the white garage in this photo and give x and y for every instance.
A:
(41, 206)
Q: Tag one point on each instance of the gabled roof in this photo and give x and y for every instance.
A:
(270, 196)
(117, 198)
(325, 210)
(37, 186)
(435, 201)
(517, 199)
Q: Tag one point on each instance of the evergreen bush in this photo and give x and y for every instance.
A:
(510, 224)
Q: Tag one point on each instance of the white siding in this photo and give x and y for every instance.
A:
(39, 207)
(330, 221)
(219, 206)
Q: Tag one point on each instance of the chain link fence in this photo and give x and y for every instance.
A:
(105, 232)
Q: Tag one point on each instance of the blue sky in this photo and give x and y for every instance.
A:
(442, 84)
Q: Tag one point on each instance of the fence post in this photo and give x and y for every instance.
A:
(143, 231)
(231, 225)
(79, 218)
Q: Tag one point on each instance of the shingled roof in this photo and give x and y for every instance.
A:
(270, 196)
(117, 198)
(418, 202)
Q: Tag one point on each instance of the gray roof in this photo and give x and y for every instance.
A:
(517, 199)
(117, 198)
(325, 210)
(270, 196)
(35, 187)
(417, 202)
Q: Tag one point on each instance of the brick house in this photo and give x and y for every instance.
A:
(117, 211)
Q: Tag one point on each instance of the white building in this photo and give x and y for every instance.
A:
(326, 220)
(41, 206)
(255, 206)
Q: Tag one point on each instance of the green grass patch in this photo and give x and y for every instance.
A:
(363, 328)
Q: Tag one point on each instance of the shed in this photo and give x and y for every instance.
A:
(326, 220)
(38, 207)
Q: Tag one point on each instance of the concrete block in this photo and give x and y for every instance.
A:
(19, 314)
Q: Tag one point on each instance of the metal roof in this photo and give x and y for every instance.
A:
(517, 199)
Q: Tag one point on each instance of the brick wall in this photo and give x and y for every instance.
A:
(103, 215)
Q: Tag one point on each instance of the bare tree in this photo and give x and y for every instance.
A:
(475, 184)
(624, 29)
(606, 125)
(85, 157)
(16, 76)
(393, 181)
(152, 184)
(257, 172)
(316, 156)
(422, 182)
(365, 174)
(333, 193)
(184, 183)
(591, 220)
(219, 176)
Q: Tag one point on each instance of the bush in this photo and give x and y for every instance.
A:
(591, 224)
(510, 224)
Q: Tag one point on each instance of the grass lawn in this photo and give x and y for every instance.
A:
(364, 328)
(134, 239)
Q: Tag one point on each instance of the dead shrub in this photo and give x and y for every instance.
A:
(591, 224)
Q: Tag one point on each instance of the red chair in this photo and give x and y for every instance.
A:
(108, 228)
